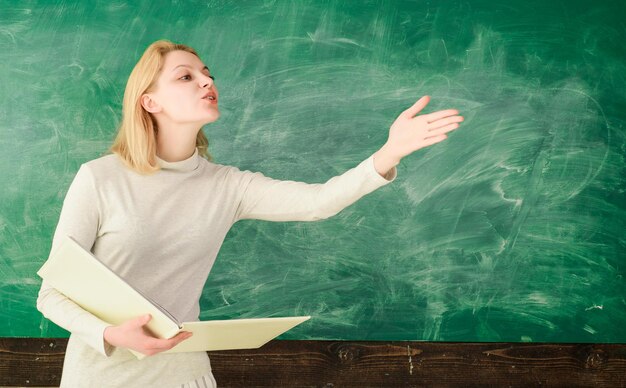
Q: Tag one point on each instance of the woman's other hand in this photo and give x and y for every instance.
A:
(134, 334)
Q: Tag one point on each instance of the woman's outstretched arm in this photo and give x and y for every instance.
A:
(274, 200)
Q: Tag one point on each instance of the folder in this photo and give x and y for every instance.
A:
(79, 275)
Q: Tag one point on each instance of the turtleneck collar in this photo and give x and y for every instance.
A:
(186, 165)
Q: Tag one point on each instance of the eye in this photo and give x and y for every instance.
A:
(185, 77)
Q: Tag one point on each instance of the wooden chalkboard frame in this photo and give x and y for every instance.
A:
(290, 363)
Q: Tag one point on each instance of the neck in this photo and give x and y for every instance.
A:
(176, 143)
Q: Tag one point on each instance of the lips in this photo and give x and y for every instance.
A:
(210, 96)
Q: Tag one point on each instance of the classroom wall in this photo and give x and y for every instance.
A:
(511, 230)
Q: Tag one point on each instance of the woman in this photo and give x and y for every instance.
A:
(156, 211)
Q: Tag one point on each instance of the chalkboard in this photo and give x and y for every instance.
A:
(510, 230)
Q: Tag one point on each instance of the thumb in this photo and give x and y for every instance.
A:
(418, 106)
(140, 321)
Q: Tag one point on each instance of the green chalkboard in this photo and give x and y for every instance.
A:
(511, 230)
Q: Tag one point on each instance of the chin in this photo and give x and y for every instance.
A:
(211, 118)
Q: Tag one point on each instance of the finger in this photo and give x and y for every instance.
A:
(433, 140)
(166, 344)
(432, 117)
(444, 122)
(418, 106)
(442, 130)
(180, 337)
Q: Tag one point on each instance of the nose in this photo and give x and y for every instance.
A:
(206, 81)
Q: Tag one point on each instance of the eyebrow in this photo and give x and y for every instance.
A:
(190, 67)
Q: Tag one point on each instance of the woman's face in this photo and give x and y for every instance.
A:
(184, 92)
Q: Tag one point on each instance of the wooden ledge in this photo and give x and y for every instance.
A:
(38, 361)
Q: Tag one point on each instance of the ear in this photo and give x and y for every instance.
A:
(149, 104)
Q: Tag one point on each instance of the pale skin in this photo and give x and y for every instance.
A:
(178, 106)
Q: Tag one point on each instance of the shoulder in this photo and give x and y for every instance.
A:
(221, 170)
(228, 174)
(107, 162)
(103, 170)
(103, 166)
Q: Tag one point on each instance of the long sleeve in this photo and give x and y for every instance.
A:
(274, 200)
(79, 219)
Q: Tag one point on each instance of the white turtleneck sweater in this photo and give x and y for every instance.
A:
(161, 233)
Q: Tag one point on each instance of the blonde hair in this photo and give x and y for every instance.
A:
(136, 141)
